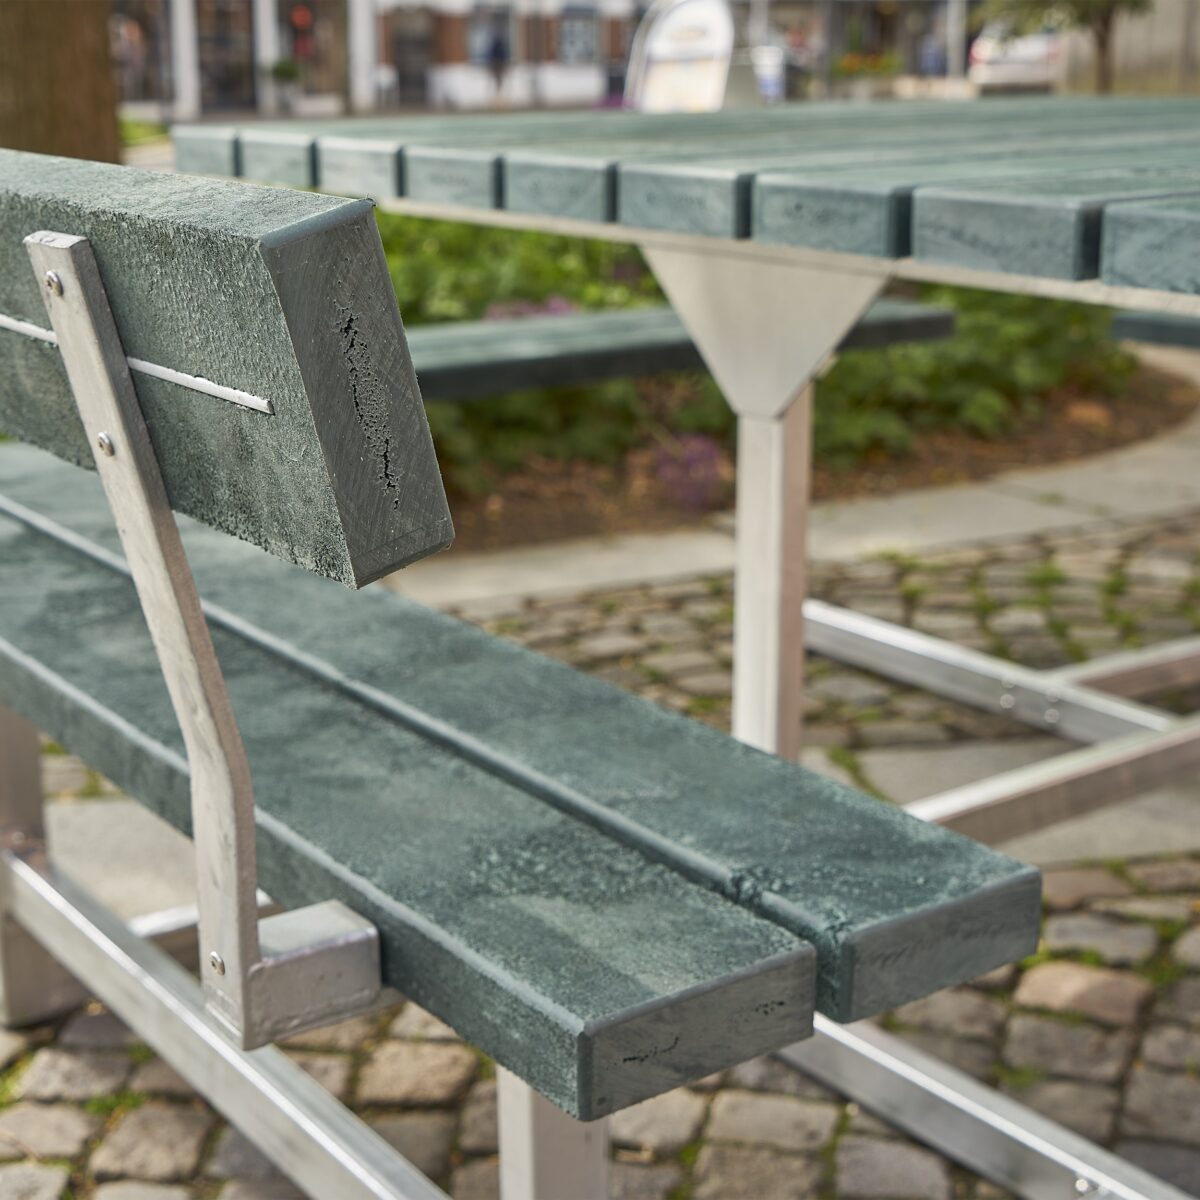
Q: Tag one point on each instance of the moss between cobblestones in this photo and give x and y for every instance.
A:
(115, 1103)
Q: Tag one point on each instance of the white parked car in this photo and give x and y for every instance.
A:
(1002, 58)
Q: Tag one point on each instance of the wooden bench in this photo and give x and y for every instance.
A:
(468, 360)
(607, 898)
(1157, 329)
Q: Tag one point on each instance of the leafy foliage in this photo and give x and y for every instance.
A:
(1008, 354)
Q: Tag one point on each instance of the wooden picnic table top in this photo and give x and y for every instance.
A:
(1058, 188)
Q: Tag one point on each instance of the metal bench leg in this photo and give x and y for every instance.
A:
(765, 329)
(545, 1154)
(33, 986)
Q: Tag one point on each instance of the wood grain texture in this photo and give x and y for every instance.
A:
(471, 360)
(894, 907)
(598, 975)
(1154, 244)
(1046, 227)
(281, 294)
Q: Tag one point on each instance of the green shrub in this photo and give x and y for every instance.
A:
(1008, 355)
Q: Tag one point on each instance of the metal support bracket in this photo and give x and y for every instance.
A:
(267, 979)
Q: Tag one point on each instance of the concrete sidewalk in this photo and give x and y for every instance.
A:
(1156, 479)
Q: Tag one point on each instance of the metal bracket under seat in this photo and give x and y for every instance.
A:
(262, 979)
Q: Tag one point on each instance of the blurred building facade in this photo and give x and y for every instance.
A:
(180, 59)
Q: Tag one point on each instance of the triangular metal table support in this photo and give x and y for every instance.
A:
(766, 329)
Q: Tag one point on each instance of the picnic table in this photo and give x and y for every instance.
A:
(772, 232)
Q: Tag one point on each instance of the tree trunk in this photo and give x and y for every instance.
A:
(57, 91)
(1102, 31)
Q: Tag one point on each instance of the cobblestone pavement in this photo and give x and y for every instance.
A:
(1100, 1030)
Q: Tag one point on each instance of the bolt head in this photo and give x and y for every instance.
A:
(54, 282)
(106, 445)
(217, 963)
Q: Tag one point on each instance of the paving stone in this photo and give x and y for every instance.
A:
(725, 1172)
(424, 1138)
(708, 685)
(12, 1046)
(667, 627)
(1118, 943)
(416, 1073)
(32, 1181)
(418, 1025)
(478, 1132)
(875, 1167)
(679, 662)
(600, 646)
(1171, 875)
(766, 1074)
(945, 624)
(866, 1123)
(780, 1121)
(277, 1188)
(156, 1078)
(235, 1156)
(1150, 908)
(131, 1189)
(1110, 997)
(1178, 1165)
(55, 1074)
(478, 1180)
(63, 773)
(45, 1130)
(345, 1035)
(159, 1142)
(96, 1031)
(999, 979)
(1173, 1047)
(900, 732)
(1087, 1108)
(1071, 1051)
(331, 1071)
(651, 1181)
(852, 690)
(1186, 949)
(1162, 1104)
(1181, 1002)
(664, 1124)
(957, 1011)
(975, 1058)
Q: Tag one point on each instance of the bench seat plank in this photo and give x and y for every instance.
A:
(599, 976)
(465, 360)
(1154, 244)
(341, 476)
(1157, 328)
(895, 908)
(1046, 227)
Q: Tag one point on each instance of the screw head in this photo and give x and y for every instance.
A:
(54, 282)
(106, 445)
(217, 963)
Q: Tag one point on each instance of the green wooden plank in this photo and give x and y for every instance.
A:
(869, 211)
(280, 294)
(278, 156)
(894, 907)
(597, 975)
(207, 150)
(1154, 245)
(468, 360)
(1159, 329)
(1048, 228)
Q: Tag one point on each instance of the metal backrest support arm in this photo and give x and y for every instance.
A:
(257, 997)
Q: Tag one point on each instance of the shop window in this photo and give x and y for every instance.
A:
(491, 37)
(578, 36)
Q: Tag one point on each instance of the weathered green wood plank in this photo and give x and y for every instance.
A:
(895, 908)
(827, 206)
(207, 150)
(1048, 228)
(1157, 328)
(278, 156)
(597, 975)
(465, 360)
(1153, 245)
(283, 295)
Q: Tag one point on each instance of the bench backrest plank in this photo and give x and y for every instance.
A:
(279, 295)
